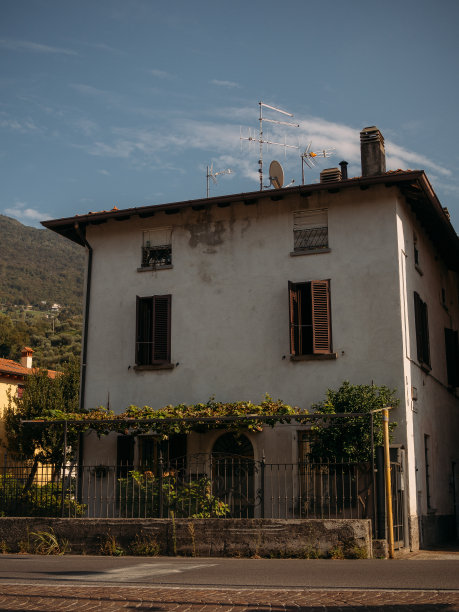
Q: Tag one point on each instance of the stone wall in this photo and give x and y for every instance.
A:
(200, 537)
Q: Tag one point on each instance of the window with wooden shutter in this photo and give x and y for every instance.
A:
(422, 330)
(310, 326)
(452, 357)
(153, 330)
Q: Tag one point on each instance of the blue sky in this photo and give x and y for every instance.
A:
(125, 102)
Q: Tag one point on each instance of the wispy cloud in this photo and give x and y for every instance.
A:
(100, 46)
(160, 74)
(228, 84)
(22, 127)
(87, 126)
(104, 172)
(89, 90)
(27, 45)
(29, 216)
(220, 139)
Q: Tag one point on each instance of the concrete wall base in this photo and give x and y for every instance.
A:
(380, 549)
(307, 538)
(437, 529)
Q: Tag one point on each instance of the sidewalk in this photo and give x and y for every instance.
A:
(445, 552)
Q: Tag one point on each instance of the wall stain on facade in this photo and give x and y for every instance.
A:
(210, 234)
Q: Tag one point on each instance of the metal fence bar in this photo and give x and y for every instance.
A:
(204, 486)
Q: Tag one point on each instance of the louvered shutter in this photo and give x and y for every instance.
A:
(418, 324)
(452, 357)
(321, 328)
(421, 322)
(161, 328)
(137, 330)
(425, 334)
(293, 315)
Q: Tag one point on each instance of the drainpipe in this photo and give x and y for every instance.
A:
(84, 349)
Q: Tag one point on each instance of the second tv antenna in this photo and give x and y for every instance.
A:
(213, 175)
(260, 137)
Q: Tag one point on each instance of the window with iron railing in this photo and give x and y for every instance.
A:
(310, 230)
(157, 248)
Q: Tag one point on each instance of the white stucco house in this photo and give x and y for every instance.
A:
(288, 292)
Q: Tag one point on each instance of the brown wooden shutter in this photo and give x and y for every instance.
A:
(421, 322)
(418, 324)
(162, 328)
(321, 328)
(137, 330)
(452, 357)
(425, 335)
(293, 315)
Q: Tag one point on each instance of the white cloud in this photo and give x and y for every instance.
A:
(19, 126)
(87, 126)
(28, 216)
(104, 172)
(160, 74)
(178, 137)
(228, 84)
(89, 90)
(25, 45)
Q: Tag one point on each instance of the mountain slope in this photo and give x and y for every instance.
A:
(37, 264)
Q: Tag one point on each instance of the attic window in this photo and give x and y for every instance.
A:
(310, 230)
(157, 248)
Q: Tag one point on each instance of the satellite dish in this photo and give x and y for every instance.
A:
(276, 174)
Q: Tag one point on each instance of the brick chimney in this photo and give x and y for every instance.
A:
(372, 151)
(26, 357)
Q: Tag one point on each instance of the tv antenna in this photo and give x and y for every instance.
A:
(260, 139)
(213, 175)
(308, 157)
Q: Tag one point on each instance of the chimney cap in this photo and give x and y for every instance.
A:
(371, 133)
(27, 351)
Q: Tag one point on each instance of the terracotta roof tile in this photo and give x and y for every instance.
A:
(12, 368)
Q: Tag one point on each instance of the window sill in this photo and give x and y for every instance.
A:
(418, 269)
(425, 367)
(309, 252)
(156, 366)
(154, 268)
(318, 357)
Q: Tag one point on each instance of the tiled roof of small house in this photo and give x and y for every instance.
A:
(8, 367)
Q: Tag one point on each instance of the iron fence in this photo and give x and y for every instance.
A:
(200, 486)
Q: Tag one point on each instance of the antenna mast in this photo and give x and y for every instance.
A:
(212, 175)
(260, 137)
(308, 158)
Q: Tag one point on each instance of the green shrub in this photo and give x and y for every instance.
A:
(38, 500)
(151, 496)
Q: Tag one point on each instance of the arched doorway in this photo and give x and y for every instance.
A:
(233, 472)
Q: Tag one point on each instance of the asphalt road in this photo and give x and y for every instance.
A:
(380, 575)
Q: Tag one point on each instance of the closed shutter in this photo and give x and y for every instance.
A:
(321, 317)
(161, 328)
(421, 321)
(452, 357)
(144, 321)
(425, 334)
(418, 324)
(124, 455)
(293, 312)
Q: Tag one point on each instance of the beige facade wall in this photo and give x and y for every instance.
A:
(7, 385)
(230, 334)
(435, 412)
